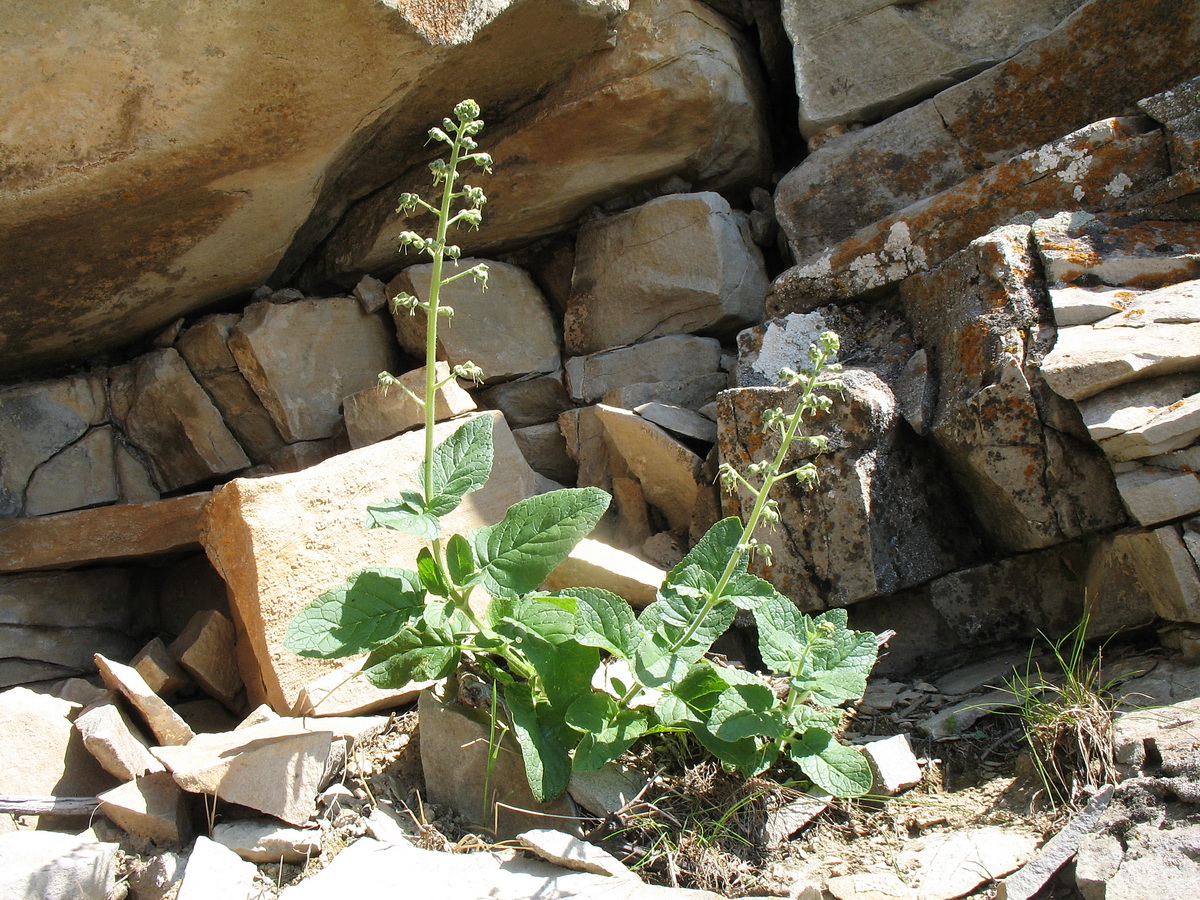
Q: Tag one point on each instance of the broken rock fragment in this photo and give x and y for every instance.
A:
(206, 650)
(168, 727)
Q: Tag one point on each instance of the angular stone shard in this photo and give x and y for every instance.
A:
(692, 393)
(861, 60)
(204, 347)
(669, 358)
(115, 742)
(378, 413)
(545, 449)
(1132, 406)
(167, 415)
(531, 401)
(152, 807)
(667, 470)
(216, 871)
(1087, 360)
(168, 727)
(570, 852)
(265, 841)
(506, 331)
(944, 866)
(688, 266)
(302, 358)
(1153, 495)
(683, 422)
(160, 669)
(83, 474)
(206, 650)
(275, 767)
(893, 765)
(279, 542)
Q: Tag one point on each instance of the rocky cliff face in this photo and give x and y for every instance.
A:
(1001, 221)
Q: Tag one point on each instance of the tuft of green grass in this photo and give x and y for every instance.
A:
(1067, 718)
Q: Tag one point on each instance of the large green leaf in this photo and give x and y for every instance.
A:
(604, 620)
(713, 551)
(782, 635)
(365, 610)
(746, 591)
(461, 464)
(547, 763)
(747, 710)
(746, 756)
(460, 561)
(842, 771)
(564, 669)
(608, 730)
(841, 663)
(406, 513)
(411, 656)
(516, 554)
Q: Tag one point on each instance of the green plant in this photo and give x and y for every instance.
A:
(1067, 718)
(541, 650)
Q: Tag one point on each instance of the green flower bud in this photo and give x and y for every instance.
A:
(466, 110)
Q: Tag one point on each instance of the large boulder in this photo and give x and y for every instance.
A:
(600, 132)
(859, 60)
(156, 163)
(281, 541)
(1058, 84)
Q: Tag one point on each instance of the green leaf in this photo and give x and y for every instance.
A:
(604, 620)
(713, 551)
(547, 763)
(840, 666)
(747, 710)
(413, 655)
(745, 756)
(407, 514)
(842, 771)
(748, 591)
(542, 617)
(780, 630)
(365, 610)
(430, 574)
(461, 464)
(460, 561)
(564, 670)
(536, 534)
(602, 746)
(671, 710)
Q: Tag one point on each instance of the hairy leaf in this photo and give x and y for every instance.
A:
(547, 763)
(746, 710)
(744, 756)
(748, 591)
(841, 663)
(604, 620)
(842, 771)
(713, 551)
(366, 609)
(406, 513)
(781, 631)
(602, 745)
(536, 534)
(564, 670)
(430, 574)
(413, 655)
(461, 464)
(460, 561)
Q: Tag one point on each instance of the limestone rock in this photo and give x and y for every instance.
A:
(152, 807)
(159, 669)
(167, 726)
(1095, 168)
(545, 449)
(38, 420)
(378, 413)
(42, 754)
(691, 393)
(340, 693)
(366, 864)
(1033, 479)
(144, 220)
(204, 347)
(1079, 248)
(1173, 428)
(1134, 405)
(206, 650)
(681, 421)
(667, 470)
(868, 527)
(584, 433)
(1153, 494)
(42, 864)
(1061, 82)
(859, 61)
(83, 474)
(302, 358)
(600, 133)
(167, 415)
(594, 564)
(275, 767)
(507, 330)
(115, 742)
(454, 756)
(528, 401)
(59, 619)
(281, 541)
(1074, 305)
(570, 852)
(670, 358)
(893, 765)
(371, 294)
(305, 454)
(944, 866)
(216, 871)
(265, 841)
(869, 886)
(687, 266)
(788, 819)
(1176, 110)
(607, 790)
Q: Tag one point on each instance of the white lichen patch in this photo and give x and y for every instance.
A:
(786, 341)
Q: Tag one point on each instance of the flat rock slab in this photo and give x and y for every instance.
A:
(670, 358)
(368, 866)
(43, 864)
(266, 841)
(109, 534)
(152, 807)
(275, 767)
(168, 727)
(281, 541)
(216, 871)
(570, 852)
(945, 866)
